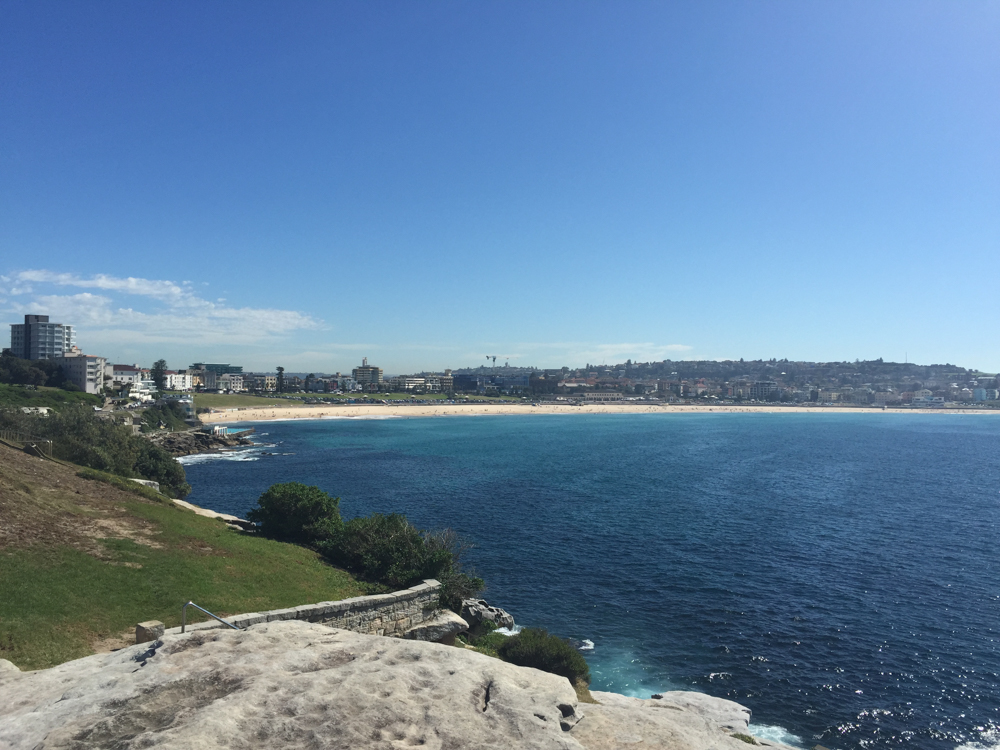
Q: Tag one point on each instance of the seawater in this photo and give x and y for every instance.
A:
(835, 573)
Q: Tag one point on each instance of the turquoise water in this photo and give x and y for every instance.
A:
(835, 573)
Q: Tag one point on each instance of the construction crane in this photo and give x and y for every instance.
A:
(493, 357)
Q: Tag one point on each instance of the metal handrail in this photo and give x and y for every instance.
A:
(192, 604)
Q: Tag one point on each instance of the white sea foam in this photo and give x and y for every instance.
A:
(509, 631)
(201, 458)
(588, 645)
(988, 740)
(775, 734)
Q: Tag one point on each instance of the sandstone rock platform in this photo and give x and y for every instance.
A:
(292, 684)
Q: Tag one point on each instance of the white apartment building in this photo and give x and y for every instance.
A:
(178, 380)
(406, 383)
(85, 371)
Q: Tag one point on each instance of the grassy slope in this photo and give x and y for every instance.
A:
(16, 395)
(82, 562)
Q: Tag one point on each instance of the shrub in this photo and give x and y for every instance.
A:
(534, 647)
(456, 585)
(295, 512)
(388, 550)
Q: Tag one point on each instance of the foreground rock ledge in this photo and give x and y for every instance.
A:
(299, 685)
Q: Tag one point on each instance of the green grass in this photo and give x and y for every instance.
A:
(227, 401)
(123, 484)
(57, 601)
(19, 395)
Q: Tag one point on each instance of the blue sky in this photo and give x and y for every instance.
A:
(424, 184)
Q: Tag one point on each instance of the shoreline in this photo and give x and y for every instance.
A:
(287, 413)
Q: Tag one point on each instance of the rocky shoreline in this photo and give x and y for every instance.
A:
(195, 441)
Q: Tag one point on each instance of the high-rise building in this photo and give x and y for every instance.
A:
(37, 338)
(366, 375)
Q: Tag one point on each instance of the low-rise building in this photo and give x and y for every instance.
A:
(177, 380)
(260, 383)
(122, 375)
(407, 383)
(603, 396)
(229, 381)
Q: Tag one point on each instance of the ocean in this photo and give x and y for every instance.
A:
(835, 573)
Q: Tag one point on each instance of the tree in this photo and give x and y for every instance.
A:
(159, 374)
(281, 379)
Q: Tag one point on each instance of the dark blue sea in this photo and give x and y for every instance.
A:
(838, 574)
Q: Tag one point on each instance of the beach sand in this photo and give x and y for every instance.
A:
(255, 414)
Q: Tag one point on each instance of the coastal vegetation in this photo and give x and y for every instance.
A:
(170, 416)
(84, 561)
(385, 551)
(79, 437)
(534, 647)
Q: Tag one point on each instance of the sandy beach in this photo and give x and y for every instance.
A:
(255, 414)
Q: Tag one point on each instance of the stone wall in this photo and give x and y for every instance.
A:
(383, 614)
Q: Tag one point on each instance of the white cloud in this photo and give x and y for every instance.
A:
(168, 311)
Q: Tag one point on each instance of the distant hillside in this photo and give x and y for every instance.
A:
(83, 562)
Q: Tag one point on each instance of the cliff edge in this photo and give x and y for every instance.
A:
(299, 685)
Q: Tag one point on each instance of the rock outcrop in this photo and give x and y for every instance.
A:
(474, 611)
(194, 441)
(293, 684)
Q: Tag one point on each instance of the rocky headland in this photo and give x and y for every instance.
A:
(195, 441)
(293, 684)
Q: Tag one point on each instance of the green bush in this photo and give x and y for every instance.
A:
(295, 512)
(388, 550)
(534, 647)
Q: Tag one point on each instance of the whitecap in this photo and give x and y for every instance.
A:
(770, 733)
(587, 645)
(200, 458)
(509, 631)
(988, 740)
